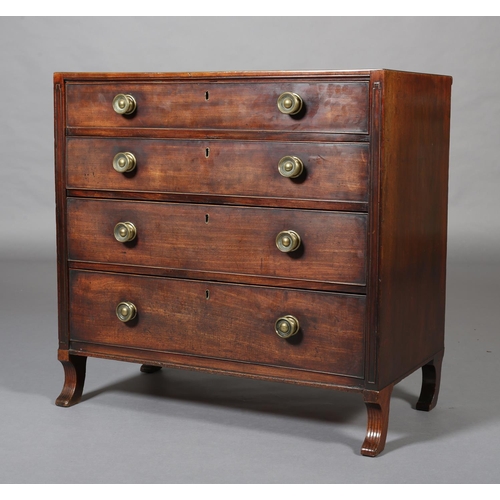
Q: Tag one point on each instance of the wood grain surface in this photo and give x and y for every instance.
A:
(221, 321)
(413, 222)
(340, 107)
(236, 240)
(221, 168)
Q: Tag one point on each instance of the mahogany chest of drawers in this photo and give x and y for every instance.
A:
(286, 226)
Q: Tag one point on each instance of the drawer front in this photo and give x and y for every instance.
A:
(224, 168)
(236, 240)
(340, 107)
(233, 322)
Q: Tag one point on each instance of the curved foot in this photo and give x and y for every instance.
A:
(377, 405)
(431, 378)
(150, 369)
(74, 378)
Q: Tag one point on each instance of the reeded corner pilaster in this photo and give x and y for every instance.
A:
(377, 405)
(74, 378)
(431, 379)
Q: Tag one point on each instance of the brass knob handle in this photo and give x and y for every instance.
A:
(124, 104)
(124, 162)
(125, 231)
(126, 311)
(286, 326)
(290, 103)
(287, 241)
(290, 166)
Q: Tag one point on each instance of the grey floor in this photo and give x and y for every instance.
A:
(186, 427)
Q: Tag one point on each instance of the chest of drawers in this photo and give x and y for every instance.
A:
(286, 226)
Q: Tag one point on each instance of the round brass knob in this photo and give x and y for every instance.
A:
(290, 103)
(124, 162)
(126, 311)
(290, 166)
(286, 326)
(125, 231)
(124, 104)
(287, 241)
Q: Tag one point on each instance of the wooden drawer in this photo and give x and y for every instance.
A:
(340, 107)
(224, 168)
(221, 321)
(236, 240)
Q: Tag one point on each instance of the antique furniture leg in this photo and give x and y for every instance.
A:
(150, 369)
(377, 405)
(431, 378)
(74, 378)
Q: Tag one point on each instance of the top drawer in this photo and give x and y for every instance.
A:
(339, 107)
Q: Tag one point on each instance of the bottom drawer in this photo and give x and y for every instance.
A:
(223, 321)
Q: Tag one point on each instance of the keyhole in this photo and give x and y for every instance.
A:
(206, 218)
(207, 152)
(206, 96)
(207, 294)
